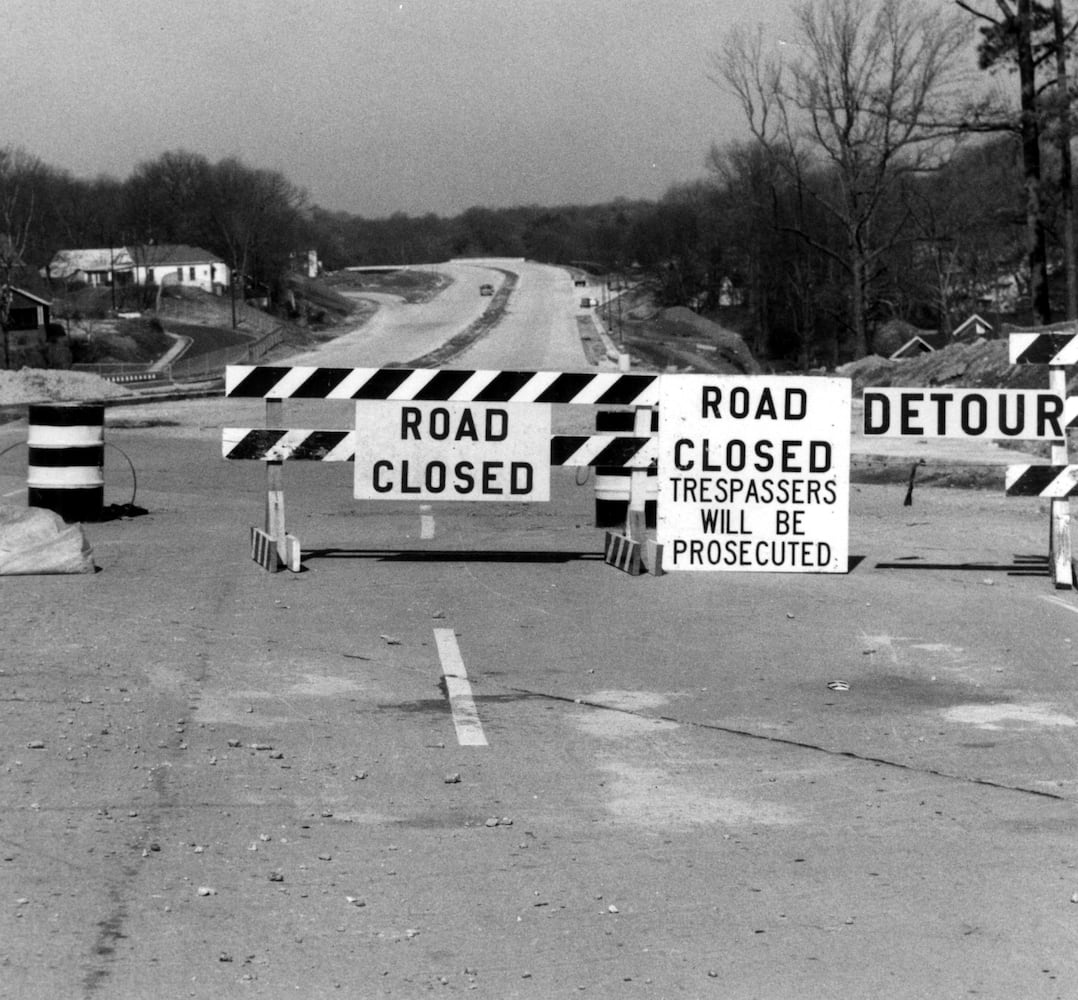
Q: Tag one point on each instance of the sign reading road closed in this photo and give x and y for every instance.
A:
(754, 473)
(987, 413)
(452, 451)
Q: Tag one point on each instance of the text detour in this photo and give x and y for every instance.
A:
(1021, 414)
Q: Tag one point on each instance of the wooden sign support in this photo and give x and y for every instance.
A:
(283, 548)
(1059, 531)
(626, 552)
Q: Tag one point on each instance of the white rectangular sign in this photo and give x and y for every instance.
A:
(754, 473)
(1029, 414)
(452, 451)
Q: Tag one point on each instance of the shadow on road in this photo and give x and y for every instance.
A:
(1021, 566)
(451, 555)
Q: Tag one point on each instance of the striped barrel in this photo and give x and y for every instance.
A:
(66, 475)
(612, 483)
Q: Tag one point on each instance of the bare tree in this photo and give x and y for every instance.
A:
(847, 110)
(17, 171)
(1063, 142)
(254, 213)
(1026, 35)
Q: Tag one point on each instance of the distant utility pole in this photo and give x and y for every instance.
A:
(621, 333)
(112, 272)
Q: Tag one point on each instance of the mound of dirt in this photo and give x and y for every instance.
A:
(682, 323)
(980, 364)
(45, 385)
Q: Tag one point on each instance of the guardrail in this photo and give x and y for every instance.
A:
(208, 365)
(213, 363)
(126, 373)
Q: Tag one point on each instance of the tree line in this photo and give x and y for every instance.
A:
(879, 180)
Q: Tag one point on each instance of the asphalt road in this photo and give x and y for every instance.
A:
(400, 331)
(539, 330)
(220, 782)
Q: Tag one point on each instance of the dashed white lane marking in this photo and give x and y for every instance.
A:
(461, 704)
(426, 521)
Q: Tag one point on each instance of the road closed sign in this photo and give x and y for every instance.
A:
(754, 473)
(452, 451)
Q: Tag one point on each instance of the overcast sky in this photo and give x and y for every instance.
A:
(379, 106)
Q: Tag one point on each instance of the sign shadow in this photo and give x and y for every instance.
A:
(1021, 565)
(453, 555)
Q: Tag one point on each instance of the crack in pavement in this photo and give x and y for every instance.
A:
(798, 745)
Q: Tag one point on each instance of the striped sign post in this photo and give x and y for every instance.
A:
(1057, 347)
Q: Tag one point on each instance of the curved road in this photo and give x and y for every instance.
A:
(538, 329)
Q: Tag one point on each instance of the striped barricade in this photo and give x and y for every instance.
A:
(1052, 347)
(636, 454)
(1057, 347)
(441, 385)
(295, 444)
(1058, 482)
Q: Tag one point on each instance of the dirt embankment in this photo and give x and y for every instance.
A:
(676, 338)
(40, 385)
(981, 364)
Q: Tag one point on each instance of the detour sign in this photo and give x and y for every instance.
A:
(945, 412)
(754, 473)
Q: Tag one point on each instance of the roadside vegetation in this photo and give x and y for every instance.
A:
(884, 178)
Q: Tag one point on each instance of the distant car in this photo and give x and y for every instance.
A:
(486, 289)
(579, 282)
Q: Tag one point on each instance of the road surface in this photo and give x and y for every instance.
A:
(219, 782)
(400, 331)
(539, 330)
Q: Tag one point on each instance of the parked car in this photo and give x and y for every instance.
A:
(486, 289)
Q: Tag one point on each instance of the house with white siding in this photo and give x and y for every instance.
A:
(179, 264)
(99, 266)
(149, 264)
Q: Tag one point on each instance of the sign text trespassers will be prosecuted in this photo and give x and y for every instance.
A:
(754, 473)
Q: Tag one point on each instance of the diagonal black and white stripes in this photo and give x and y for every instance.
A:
(1044, 348)
(406, 384)
(1057, 481)
(269, 444)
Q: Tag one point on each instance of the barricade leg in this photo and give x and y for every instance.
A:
(626, 551)
(1059, 530)
(273, 547)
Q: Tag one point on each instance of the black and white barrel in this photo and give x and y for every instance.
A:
(66, 471)
(612, 486)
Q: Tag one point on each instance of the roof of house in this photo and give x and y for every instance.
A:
(24, 294)
(914, 346)
(975, 326)
(163, 254)
(68, 262)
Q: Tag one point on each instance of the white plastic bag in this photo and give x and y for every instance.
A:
(34, 540)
